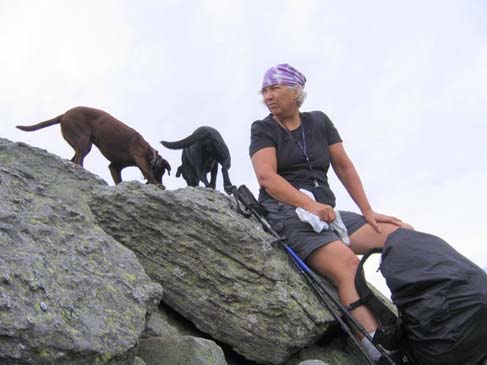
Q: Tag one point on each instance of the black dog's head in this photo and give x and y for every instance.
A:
(158, 167)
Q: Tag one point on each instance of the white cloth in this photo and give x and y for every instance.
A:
(318, 225)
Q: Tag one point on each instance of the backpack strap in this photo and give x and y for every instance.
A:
(356, 304)
(384, 314)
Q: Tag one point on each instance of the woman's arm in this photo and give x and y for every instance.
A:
(265, 166)
(346, 172)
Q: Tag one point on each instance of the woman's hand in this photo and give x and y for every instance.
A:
(374, 219)
(324, 211)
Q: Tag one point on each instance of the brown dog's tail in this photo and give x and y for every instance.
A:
(47, 123)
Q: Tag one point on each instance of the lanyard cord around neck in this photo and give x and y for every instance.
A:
(302, 147)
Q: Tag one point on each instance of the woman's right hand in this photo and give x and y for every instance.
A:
(324, 211)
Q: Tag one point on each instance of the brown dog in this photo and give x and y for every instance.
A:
(121, 145)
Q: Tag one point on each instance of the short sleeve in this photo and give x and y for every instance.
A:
(331, 132)
(260, 137)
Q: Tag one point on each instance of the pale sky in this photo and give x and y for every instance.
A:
(404, 83)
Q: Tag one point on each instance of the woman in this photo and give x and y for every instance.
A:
(291, 153)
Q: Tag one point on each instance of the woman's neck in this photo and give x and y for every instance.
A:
(290, 122)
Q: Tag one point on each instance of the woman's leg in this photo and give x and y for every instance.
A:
(367, 237)
(338, 262)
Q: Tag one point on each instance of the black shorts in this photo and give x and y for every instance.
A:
(300, 235)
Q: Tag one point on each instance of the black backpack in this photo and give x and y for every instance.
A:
(441, 298)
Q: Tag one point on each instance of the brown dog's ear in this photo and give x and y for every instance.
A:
(154, 158)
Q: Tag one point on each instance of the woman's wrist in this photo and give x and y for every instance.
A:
(366, 211)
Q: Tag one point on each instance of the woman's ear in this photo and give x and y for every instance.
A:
(297, 91)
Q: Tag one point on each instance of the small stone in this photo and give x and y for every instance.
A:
(6, 277)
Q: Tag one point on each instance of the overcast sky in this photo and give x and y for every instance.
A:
(403, 81)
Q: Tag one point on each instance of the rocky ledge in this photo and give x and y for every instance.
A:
(132, 274)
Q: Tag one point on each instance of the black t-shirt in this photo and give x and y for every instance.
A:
(319, 133)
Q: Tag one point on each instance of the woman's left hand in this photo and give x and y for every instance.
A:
(374, 219)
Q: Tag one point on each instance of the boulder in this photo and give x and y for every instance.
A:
(139, 361)
(218, 269)
(334, 348)
(69, 292)
(181, 350)
(313, 362)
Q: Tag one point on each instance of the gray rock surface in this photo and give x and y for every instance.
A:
(335, 348)
(139, 361)
(184, 350)
(218, 269)
(158, 326)
(69, 293)
(313, 362)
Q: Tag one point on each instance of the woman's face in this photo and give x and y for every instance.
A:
(280, 99)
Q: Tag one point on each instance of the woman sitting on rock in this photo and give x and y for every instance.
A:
(291, 152)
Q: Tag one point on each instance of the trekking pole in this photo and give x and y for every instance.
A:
(308, 275)
(254, 208)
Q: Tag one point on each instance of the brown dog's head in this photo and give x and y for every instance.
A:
(158, 167)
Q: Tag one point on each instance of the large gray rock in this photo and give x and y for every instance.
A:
(184, 350)
(334, 349)
(167, 322)
(69, 293)
(218, 269)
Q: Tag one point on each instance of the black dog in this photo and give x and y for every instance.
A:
(202, 151)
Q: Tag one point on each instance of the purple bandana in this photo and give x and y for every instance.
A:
(283, 74)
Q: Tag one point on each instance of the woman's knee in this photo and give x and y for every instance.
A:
(343, 272)
(335, 261)
(346, 272)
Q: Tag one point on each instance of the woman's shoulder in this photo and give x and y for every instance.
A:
(320, 122)
(267, 123)
(316, 116)
(317, 119)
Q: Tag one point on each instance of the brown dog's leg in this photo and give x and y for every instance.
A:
(144, 167)
(79, 156)
(78, 137)
(116, 172)
(81, 148)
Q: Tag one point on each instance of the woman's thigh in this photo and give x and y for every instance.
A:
(367, 237)
(335, 260)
